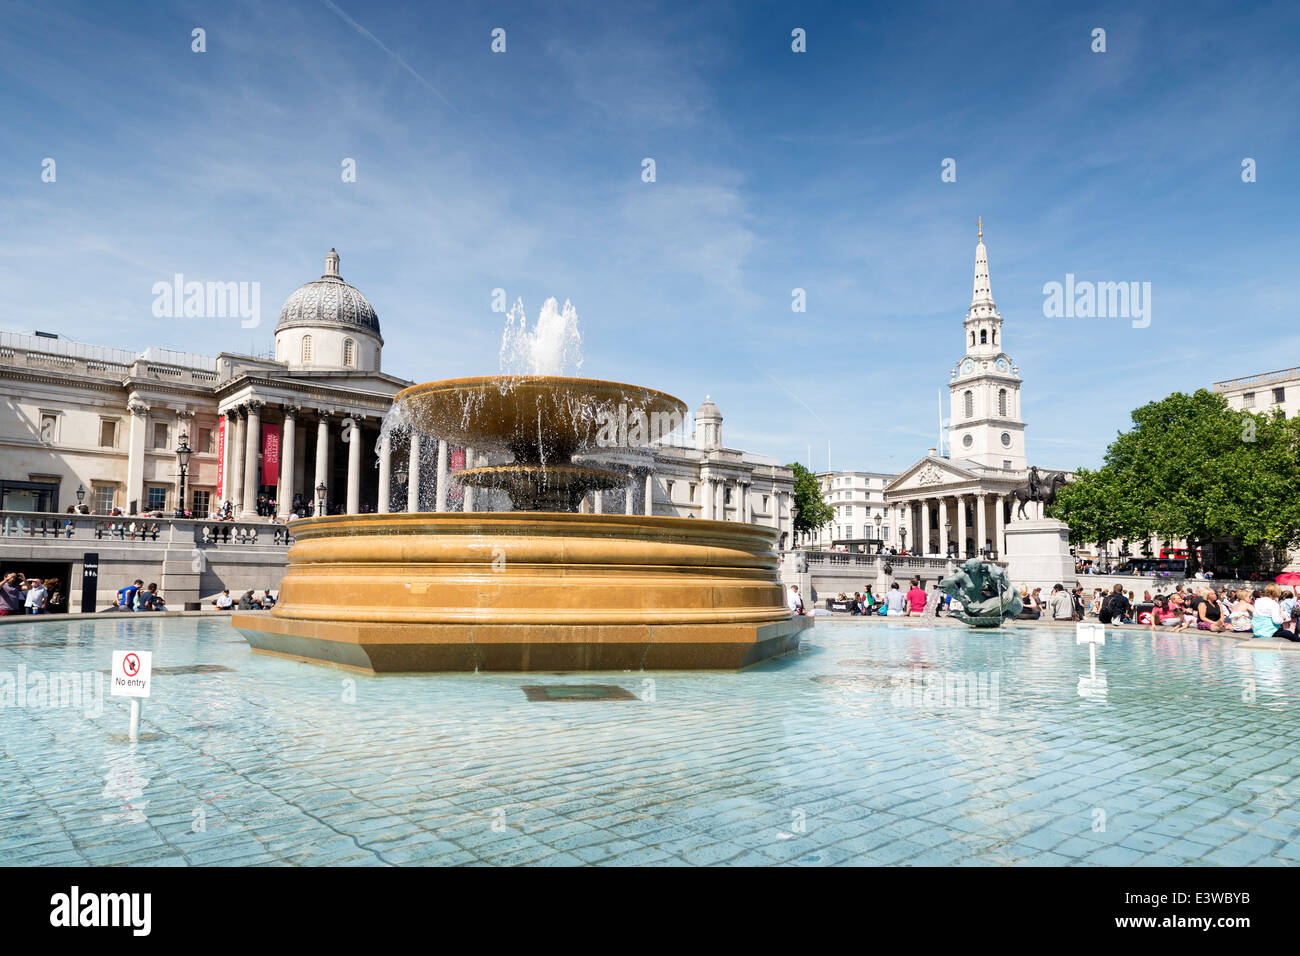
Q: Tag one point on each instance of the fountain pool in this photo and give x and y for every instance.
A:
(873, 744)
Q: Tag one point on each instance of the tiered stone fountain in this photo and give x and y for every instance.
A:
(541, 587)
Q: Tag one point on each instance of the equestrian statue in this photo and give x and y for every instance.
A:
(1038, 489)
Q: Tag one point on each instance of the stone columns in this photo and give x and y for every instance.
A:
(981, 522)
(444, 475)
(413, 475)
(385, 473)
(706, 498)
(1000, 542)
(288, 451)
(227, 459)
(252, 444)
(720, 504)
(943, 526)
(135, 460)
(236, 496)
(322, 459)
(352, 435)
(598, 502)
(961, 527)
(650, 493)
(743, 488)
(925, 529)
(628, 494)
(469, 492)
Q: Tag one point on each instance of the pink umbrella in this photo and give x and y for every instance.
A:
(1288, 577)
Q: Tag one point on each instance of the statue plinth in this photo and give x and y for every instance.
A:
(1038, 554)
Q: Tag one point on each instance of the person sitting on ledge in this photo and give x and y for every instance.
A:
(248, 602)
(223, 601)
(1268, 621)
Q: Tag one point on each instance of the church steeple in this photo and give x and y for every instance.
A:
(985, 386)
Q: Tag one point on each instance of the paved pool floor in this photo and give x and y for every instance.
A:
(873, 745)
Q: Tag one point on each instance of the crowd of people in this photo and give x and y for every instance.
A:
(23, 595)
(1269, 612)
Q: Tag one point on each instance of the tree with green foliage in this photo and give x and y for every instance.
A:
(810, 509)
(1193, 468)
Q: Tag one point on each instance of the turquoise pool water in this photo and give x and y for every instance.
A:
(877, 744)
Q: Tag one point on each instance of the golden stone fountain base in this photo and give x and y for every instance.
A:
(526, 591)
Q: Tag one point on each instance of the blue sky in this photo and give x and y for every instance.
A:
(775, 171)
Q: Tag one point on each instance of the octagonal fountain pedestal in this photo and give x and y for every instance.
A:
(521, 591)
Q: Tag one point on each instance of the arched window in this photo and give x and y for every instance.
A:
(1002, 401)
(970, 404)
(972, 338)
(279, 350)
(995, 336)
(349, 353)
(984, 336)
(306, 348)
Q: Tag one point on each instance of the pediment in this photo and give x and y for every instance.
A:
(928, 473)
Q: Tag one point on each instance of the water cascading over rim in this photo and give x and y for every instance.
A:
(542, 421)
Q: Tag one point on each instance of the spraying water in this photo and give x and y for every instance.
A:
(552, 347)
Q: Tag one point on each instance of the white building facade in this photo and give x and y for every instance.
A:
(862, 515)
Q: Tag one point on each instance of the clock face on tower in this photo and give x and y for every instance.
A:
(1002, 365)
(967, 367)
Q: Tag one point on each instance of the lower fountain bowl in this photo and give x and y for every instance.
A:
(527, 591)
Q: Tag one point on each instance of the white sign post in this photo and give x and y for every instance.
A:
(131, 677)
(1092, 635)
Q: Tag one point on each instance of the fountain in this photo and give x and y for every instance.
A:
(982, 594)
(541, 586)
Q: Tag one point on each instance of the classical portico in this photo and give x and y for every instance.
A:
(942, 507)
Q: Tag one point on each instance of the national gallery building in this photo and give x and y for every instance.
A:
(100, 426)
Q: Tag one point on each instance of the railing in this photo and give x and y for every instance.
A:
(1261, 379)
(850, 559)
(138, 529)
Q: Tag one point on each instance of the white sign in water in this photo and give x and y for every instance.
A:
(1090, 633)
(131, 673)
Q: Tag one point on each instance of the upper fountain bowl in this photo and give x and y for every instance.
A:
(540, 418)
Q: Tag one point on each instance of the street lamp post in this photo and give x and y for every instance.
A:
(902, 538)
(320, 498)
(183, 453)
(81, 495)
(879, 544)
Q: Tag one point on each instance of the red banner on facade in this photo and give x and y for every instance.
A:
(271, 455)
(221, 460)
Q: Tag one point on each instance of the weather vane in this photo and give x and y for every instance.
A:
(980, 223)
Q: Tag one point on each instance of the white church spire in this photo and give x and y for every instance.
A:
(981, 303)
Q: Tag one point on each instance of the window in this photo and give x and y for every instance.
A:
(1002, 401)
(984, 337)
(306, 348)
(1279, 396)
(102, 498)
(155, 498)
(970, 404)
(995, 336)
(1006, 464)
(726, 496)
(201, 503)
(159, 434)
(668, 489)
(1248, 400)
(107, 434)
(765, 502)
(205, 444)
(972, 338)
(349, 353)
(279, 350)
(692, 497)
(49, 428)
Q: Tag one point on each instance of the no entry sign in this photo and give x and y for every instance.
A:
(131, 672)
